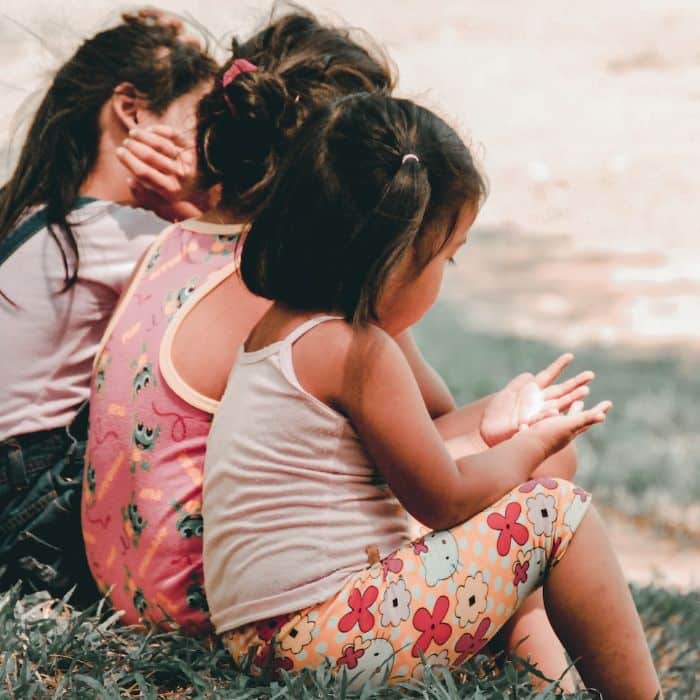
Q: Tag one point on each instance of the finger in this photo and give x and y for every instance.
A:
(549, 412)
(576, 407)
(181, 138)
(602, 407)
(520, 381)
(151, 157)
(565, 401)
(160, 138)
(557, 390)
(148, 177)
(549, 374)
(597, 414)
(160, 17)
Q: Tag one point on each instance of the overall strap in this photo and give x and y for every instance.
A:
(30, 226)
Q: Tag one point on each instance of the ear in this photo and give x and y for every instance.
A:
(125, 105)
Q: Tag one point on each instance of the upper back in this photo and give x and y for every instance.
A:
(50, 336)
(148, 432)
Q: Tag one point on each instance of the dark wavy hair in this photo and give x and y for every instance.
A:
(61, 145)
(244, 129)
(346, 206)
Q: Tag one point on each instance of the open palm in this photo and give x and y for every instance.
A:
(530, 398)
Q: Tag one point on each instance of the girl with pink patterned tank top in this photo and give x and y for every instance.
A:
(141, 505)
(150, 417)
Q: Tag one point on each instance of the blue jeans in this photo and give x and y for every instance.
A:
(41, 540)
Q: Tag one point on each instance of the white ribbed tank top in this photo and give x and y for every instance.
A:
(291, 501)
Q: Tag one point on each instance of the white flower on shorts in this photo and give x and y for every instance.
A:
(438, 663)
(542, 512)
(471, 599)
(298, 636)
(395, 605)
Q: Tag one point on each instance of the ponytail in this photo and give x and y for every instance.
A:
(245, 126)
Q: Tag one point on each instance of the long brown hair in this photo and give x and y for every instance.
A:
(62, 142)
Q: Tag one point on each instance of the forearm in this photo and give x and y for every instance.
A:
(485, 477)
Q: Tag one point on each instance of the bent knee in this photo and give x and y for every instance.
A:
(561, 465)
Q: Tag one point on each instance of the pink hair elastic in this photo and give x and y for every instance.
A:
(239, 65)
(410, 156)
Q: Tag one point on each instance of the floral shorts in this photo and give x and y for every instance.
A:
(441, 597)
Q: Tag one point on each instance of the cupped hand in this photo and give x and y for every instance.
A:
(530, 398)
(556, 432)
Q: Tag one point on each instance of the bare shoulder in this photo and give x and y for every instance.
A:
(336, 355)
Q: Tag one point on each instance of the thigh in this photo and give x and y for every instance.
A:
(440, 598)
(40, 536)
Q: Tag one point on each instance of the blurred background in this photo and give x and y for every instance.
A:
(586, 119)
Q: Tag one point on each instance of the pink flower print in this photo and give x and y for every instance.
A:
(267, 629)
(583, 495)
(520, 572)
(263, 661)
(359, 614)
(555, 549)
(470, 644)
(391, 564)
(509, 528)
(350, 656)
(521, 567)
(546, 481)
(431, 626)
(419, 546)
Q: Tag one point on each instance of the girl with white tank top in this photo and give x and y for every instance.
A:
(322, 443)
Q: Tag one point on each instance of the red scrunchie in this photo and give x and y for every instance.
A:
(239, 65)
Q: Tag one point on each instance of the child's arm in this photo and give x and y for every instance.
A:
(436, 395)
(365, 375)
(487, 421)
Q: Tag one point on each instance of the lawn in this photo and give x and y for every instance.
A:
(50, 650)
(643, 461)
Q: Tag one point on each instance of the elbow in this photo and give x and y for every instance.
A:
(442, 516)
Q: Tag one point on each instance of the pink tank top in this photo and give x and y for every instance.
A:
(142, 491)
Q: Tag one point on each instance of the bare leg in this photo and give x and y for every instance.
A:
(529, 635)
(591, 609)
(530, 621)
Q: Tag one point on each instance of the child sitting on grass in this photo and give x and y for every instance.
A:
(322, 443)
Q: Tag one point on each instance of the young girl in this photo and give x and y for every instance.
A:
(322, 443)
(149, 420)
(67, 250)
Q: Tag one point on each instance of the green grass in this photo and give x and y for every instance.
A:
(50, 650)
